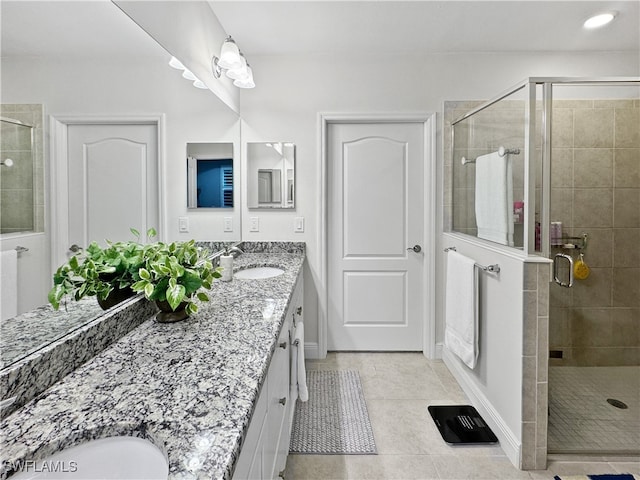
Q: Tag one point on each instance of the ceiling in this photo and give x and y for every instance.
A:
(98, 28)
(385, 27)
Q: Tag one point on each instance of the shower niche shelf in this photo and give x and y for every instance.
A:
(573, 243)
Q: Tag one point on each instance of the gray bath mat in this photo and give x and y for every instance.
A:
(334, 421)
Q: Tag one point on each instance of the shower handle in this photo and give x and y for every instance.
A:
(556, 263)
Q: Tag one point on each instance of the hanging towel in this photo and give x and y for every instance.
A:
(461, 304)
(301, 373)
(494, 198)
(9, 284)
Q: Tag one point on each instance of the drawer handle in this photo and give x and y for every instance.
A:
(283, 401)
(283, 345)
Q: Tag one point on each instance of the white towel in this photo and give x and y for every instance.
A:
(9, 284)
(494, 198)
(461, 304)
(301, 373)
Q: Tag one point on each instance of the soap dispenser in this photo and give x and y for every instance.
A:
(226, 262)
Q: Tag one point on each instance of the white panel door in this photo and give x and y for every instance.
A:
(113, 182)
(375, 218)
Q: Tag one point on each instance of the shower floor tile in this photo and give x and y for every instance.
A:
(581, 419)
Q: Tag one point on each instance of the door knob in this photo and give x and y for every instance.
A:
(75, 248)
(415, 248)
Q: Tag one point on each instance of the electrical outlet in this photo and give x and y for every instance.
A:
(183, 224)
(298, 224)
(228, 224)
(254, 224)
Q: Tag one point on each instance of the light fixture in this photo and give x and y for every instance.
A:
(229, 55)
(234, 64)
(599, 20)
(186, 73)
(7, 162)
(177, 64)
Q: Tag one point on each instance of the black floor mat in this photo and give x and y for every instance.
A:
(461, 425)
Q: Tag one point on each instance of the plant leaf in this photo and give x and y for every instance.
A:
(144, 274)
(191, 281)
(203, 297)
(175, 296)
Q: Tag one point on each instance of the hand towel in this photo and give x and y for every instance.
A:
(461, 304)
(494, 198)
(9, 284)
(303, 392)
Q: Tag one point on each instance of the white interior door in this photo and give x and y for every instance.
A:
(112, 175)
(375, 218)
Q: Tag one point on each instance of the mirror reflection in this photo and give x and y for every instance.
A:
(271, 175)
(209, 175)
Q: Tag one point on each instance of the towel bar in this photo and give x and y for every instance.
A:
(495, 268)
(501, 151)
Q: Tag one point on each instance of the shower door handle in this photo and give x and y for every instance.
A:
(556, 263)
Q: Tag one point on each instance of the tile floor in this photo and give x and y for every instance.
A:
(398, 389)
(580, 418)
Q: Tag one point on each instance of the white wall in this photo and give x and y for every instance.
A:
(129, 86)
(292, 90)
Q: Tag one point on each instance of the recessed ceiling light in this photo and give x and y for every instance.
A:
(599, 20)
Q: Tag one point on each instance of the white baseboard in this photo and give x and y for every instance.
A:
(439, 348)
(312, 351)
(508, 441)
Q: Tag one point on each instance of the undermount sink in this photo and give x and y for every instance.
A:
(137, 458)
(256, 273)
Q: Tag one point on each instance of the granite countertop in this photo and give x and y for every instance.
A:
(22, 335)
(188, 387)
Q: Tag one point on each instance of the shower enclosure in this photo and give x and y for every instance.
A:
(576, 200)
(17, 198)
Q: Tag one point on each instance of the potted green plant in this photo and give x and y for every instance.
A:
(106, 273)
(174, 275)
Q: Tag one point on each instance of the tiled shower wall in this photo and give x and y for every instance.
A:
(22, 185)
(595, 180)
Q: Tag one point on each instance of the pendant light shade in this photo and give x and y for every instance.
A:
(229, 55)
(248, 82)
(240, 73)
(175, 63)
(188, 75)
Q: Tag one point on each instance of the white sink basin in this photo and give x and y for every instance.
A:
(255, 273)
(106, 458)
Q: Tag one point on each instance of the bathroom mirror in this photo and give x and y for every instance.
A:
(210, 179)
(23, 25)
(271, 175)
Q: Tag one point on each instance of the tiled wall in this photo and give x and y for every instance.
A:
(22, 185)
(596, 190)
(535, 386)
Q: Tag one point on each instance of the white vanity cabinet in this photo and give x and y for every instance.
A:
(266, 445)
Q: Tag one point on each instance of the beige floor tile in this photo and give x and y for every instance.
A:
(398, 388)
(581, 467)
(626, 467)
(461, 467)
(316, 467)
